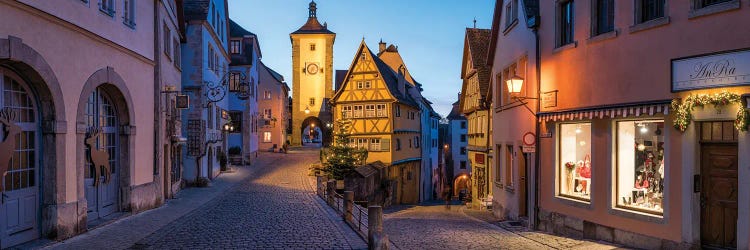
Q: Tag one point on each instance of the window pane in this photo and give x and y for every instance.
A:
(640, 165)
(575, 160)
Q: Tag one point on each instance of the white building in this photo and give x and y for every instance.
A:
(458, 169)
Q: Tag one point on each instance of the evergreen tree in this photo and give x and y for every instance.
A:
(341, 158)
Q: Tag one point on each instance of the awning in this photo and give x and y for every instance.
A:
(612, 111)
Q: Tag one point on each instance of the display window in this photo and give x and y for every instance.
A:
(640, 166)
(575, 161)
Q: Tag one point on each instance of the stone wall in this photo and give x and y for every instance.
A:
(560, 224)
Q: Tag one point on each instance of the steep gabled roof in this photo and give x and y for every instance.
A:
(235, 30)
(530, 9)
(273, 73)
(477, 41)
(455, 113)
(389, 76)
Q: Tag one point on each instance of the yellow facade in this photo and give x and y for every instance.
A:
(474, 106)
(383, 120)
(312, 74)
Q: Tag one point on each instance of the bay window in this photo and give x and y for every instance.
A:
(639, 169)
(574, 163)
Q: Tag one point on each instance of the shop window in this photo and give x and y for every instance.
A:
(640, 171)
(575, 160)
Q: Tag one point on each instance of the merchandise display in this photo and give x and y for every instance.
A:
(575, 161)
(640, 165)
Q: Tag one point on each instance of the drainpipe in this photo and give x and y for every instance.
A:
(157, 93)
(537, 158)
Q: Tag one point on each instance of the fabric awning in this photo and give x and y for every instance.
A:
(622, 111)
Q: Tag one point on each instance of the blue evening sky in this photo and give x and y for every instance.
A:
(429, 34)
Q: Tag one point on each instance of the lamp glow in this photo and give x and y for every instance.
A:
(515, 84)
(307, 110)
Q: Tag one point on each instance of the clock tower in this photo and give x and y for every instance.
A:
(312, 76)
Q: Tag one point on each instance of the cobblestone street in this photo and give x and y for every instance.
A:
(434, 227)
(274, 208)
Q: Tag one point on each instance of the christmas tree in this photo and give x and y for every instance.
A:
(341, 158)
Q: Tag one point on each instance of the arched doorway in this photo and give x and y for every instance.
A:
(313, 131)
(461, 184)
(102, 161)
(20, 150)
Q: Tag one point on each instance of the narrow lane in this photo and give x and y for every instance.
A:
(275, 208)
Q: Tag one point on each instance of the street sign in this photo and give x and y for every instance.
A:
(529, 149)
(529, 139)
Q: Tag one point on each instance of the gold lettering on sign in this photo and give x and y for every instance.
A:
(99, 157)
(8, 145)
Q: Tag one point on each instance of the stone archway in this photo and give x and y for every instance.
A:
(317, 127)
(461, 182)
(58, 218)
(108, 81)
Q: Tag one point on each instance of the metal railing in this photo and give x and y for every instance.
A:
(357, 218)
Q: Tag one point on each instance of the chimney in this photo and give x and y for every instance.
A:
(459, 95)
(381, 46)
(401, 80)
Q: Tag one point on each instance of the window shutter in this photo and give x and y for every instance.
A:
(385, 144)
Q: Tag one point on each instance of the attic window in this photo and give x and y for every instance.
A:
(363, 56)
(235, 46)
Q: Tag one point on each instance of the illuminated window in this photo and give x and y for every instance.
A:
(574, 163)
(370, 110)
(640, 174)
(266, 136)
(235, 46)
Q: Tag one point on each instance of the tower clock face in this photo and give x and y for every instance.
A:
(312, 68)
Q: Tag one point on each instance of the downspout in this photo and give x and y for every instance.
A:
(157, 92)
(537, 159)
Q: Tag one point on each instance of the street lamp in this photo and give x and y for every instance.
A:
(515, 84)
(307, 110)
(228, 127)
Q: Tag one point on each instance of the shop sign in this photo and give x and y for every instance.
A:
(711, 71)
(549, 99)
(479, 158)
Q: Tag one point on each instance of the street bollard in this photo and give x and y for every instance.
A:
(376, 237)
(348, 205)
(319, 186)
(331, 190)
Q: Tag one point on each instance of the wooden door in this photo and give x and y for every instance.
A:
(523, 199)
(102, 198)
(719, 195)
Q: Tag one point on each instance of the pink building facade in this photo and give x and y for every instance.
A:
(77, 79)
(273, 99)
(640, 140)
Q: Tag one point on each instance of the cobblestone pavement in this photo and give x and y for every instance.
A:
(435, 227)
(274, 208)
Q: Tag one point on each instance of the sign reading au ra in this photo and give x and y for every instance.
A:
(711, 71)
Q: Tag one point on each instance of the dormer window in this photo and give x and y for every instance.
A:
(235, 46)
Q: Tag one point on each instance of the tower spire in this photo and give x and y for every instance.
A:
(313, 9)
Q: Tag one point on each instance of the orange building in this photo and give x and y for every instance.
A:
(641, 143)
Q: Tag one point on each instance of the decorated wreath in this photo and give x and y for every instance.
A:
(684, 109)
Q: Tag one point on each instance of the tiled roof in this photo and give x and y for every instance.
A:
(340, 75)
(312, 26)
(479, 41)
(391, 80)
(235, 30)
(273, 73)
(455, 113)
(196, 9)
